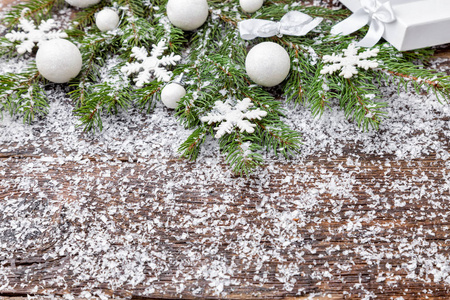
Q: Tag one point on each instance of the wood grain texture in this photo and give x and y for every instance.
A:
(416, 219)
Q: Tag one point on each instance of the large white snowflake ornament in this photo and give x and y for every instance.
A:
(151, 66)
(233, 116)
(349, 61)
(32, 35)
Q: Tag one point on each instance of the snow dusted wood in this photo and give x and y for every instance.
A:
(342, 242)
(118, 214)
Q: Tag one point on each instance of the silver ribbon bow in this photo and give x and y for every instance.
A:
(293, 23)
(377, 13)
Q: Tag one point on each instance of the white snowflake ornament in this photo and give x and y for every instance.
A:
(32, 35)
(231, 117)
(151, 66)
(349, 61)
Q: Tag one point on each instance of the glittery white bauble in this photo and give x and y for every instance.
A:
(82, 3)
(171, 94)
(250, 6)
(187, 14)
(107, 19)
(267, 64)
(58, 60)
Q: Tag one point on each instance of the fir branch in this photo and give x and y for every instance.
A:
(147, 95)
(326, 13)
(36, 9)
(137, 32)
(162, 28)
(279, 138)
(214, 59)
(241, 154)
(225, 63)
(7, 48)
(305, 72)
(100, 98)
(86, 17)
(190, 148)
(317, 97)
(22, 94)
(135, 7)
(403, 69)
(436, 83)
(93, 47)
(196, 104)
(135, 26)
(357, 101)
(227, 70)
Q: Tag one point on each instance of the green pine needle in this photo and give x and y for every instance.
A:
(214, 69)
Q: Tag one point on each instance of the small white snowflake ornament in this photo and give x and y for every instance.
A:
(149, 67)
(348, 62)
(233, 116)
(32, 35)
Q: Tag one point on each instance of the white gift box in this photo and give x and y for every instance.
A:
(418, 24)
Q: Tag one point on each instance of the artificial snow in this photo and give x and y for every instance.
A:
(113, 206)
(115, 230)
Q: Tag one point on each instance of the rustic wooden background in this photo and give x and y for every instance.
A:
(332, 237)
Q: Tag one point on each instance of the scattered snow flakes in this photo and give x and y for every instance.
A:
(286, 274)
(178, 229)
(146, 65)
(32, 35)
(218, 275)
(234, 116)
(349, 61)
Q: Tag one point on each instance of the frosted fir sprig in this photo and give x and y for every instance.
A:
(348, 61)
(23, 94)
(149, 67)
(30, 35)
(214, 63)
(231, 117)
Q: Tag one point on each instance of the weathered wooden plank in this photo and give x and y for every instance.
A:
(155, 227)
(30, 268)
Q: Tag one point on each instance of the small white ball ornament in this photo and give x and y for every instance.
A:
(172, 94)
(187, 14)
(58, 60)
(250, 6)
(82, 3)
(267, 64)
(107, 19)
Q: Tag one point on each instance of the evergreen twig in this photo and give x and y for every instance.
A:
(214, 68)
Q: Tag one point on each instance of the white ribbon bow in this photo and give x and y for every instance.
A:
(377, 13)
(293, 23)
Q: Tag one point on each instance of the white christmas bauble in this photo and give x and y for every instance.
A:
(267, 64)
(58, 60)
(171, 94)
(107, 19)
(82, 3)
(187, 14)
(250, 6)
